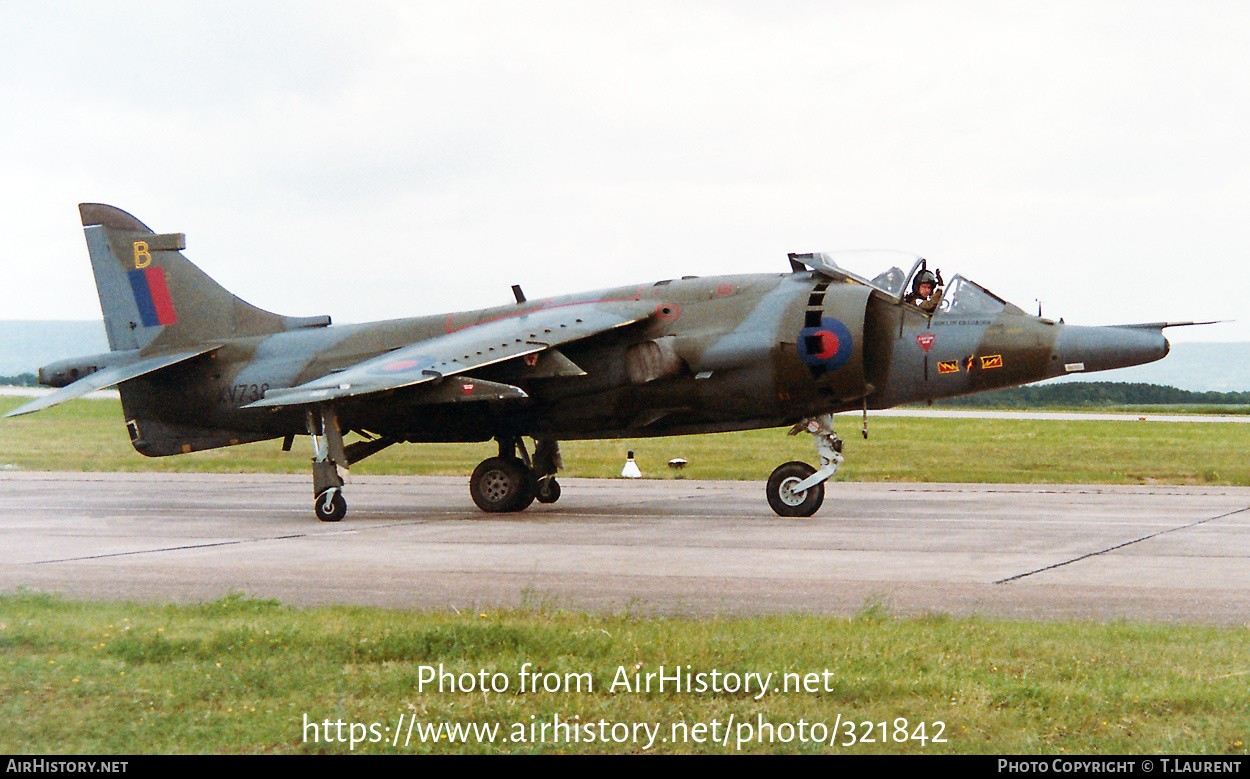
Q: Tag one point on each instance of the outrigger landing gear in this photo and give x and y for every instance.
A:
(510, 482)
(548, 490)
(796, 489)
(547, 461)
(328, 456)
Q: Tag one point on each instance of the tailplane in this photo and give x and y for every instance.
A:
(155, 300)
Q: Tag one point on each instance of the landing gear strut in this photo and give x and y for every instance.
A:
(331, 459)
(328, 456)
(797, 489)
(547, 461)
(511, 481)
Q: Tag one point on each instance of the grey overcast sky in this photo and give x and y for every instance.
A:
(381, 159)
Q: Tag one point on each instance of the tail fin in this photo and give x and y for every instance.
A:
(156, 300)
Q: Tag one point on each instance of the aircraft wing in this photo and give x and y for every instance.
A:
(464, 350)
(107, 377)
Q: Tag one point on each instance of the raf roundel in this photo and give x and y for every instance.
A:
(827, 346)
(401, 365)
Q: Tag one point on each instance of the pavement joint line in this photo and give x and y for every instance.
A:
(1121, 546)
(210, 544)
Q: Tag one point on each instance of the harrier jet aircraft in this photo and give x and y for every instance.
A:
(199, 368)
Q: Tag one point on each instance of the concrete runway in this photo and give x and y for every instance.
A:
(650, 547)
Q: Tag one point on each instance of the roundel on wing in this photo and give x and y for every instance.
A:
(402, 365)
(828, 345)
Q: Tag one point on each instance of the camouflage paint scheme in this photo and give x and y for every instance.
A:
(198, 368)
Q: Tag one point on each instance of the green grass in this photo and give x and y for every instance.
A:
(89, 436)
(240, 675)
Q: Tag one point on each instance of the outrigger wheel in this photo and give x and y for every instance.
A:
(797, 489)
(330, 506)
(548, 490)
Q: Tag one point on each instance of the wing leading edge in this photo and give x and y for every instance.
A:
(464, 350)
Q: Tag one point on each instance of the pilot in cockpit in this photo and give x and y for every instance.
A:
(926, 291)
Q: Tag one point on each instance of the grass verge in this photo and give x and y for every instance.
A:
(240, 675)
(88, 435)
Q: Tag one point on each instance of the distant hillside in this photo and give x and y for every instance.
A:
(1197, 367)
(1070, 394)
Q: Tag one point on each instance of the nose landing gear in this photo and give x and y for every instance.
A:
(788, 501)
(796, 489)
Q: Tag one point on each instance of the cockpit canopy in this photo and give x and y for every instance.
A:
(961, 297)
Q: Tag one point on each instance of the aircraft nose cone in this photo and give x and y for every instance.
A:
(1080, 349)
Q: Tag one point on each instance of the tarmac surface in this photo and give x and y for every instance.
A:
(651, 547)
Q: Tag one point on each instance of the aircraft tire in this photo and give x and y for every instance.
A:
(501, 484)
(530, 483)
(548, 491)
(784, 500)
(331, 510)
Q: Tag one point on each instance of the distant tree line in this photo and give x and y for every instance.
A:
(1095, 393)
(23, 380)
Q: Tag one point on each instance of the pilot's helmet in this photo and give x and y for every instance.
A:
(923, 277)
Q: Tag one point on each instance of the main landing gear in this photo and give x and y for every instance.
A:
(511, 481)
(796, 489)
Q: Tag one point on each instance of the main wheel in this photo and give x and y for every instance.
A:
(782, 497)
(501, 484)
(330, 506)
(548, 490)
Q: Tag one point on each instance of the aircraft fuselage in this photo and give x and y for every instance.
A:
(720, 353)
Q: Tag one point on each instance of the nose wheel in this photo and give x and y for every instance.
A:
(796, 489)
(786, 498)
